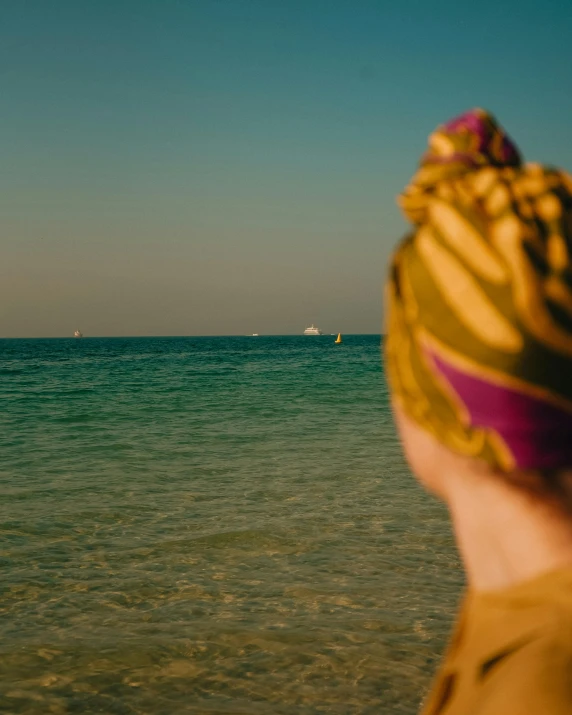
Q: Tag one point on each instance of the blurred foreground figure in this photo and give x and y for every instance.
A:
(479, 360)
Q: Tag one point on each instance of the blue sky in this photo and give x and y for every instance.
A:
(231, 166)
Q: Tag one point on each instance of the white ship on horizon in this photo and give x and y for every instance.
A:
(312, 330)
(78, 334)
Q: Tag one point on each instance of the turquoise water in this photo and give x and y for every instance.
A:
(213, 525)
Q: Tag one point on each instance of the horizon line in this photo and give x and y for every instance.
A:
(224, 335)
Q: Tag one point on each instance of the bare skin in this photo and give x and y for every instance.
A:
(505, 536)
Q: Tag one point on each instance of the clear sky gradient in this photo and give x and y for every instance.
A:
(207, 167)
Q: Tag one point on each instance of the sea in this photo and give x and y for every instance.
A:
(213, 525)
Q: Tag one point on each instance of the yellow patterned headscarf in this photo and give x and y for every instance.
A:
(479, 301)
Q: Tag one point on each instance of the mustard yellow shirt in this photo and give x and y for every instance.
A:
(511, 653)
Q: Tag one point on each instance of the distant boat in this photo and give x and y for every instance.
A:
(78, 334)
(312, 330)
(339, 338)
(254, 335)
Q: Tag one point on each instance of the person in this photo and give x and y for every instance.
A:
(478, 355)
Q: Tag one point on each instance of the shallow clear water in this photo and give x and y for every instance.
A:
(213, 525)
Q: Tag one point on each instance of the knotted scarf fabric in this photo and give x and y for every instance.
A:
(478, 347)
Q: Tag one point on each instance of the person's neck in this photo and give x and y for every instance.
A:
(505, 537)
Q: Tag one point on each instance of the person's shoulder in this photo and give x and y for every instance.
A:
(530, 677)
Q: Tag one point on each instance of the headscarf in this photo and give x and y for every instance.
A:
(478, 347)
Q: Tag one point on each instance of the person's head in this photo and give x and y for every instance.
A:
(478, 345)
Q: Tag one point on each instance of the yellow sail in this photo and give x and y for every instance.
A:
(339, 338)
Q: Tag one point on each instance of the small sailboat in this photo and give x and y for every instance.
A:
(78, 334)
(338, 339)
